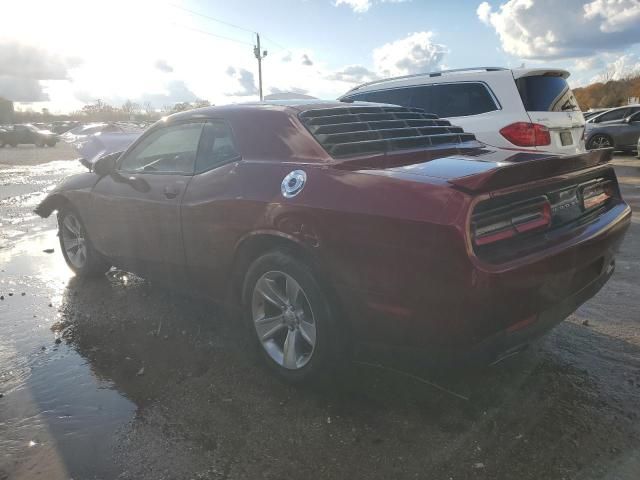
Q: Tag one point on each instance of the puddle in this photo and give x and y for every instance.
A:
(56, 416)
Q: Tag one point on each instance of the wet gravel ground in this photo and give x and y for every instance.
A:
(116, 378)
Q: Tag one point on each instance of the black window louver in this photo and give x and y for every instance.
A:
(355, 130)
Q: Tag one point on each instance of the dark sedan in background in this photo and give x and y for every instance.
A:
(15, 135)
(332, 223)
(618, 128)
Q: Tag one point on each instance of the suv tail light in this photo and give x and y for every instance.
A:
(507, 222)
(596, 193)
(525, 134)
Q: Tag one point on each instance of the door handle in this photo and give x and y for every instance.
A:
(170, 191)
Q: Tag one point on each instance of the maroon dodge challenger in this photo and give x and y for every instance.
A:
(333, 223)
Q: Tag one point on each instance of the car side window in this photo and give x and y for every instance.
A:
(618, 114)
(398, 96)
(170, 149)
(461, 99)
(216, 146)
(635, 118)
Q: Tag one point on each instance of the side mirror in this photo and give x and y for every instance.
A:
(106, 165)
(139, 184)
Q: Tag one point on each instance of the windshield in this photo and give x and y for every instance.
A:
(541, 93)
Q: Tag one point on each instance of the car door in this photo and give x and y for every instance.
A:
(629, 132)
(212, 211)
(135, 212)
(20, 134)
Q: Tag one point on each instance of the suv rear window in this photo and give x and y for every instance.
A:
(445, 100)
(541, 93)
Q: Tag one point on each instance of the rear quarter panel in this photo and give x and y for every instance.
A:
(375, 240)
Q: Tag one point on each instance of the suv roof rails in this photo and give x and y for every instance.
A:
(430, 74)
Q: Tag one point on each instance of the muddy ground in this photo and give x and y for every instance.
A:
(119, 379)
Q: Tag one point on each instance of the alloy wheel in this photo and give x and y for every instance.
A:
(283, 320)
(74, 240)
(600, 141)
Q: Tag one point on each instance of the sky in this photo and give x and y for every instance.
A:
(62, 55)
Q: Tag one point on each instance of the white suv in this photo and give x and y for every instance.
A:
(521, 109)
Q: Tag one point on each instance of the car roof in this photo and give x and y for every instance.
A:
(460, 74)
(291, 106)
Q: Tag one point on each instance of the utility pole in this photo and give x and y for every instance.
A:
(259, 55)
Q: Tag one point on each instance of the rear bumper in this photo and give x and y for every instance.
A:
(512, 340)
(477, 313)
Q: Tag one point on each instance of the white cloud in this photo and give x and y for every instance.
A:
(615, 15)
(622, 67)
(414, 54)
(23, 66)
(353, 74)
(362, 6)
(484, 12)
(358, 6)
(163, 66)
(587, 63)
(246, 84)
(548, 29)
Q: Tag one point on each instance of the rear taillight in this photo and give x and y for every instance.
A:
(525, 134)
(507, 222)
(596, 193)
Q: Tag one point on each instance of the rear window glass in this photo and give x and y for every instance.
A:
(546, 94)
(445, 100)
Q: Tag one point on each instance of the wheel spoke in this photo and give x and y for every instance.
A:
(267, 288)
(72, 244)
(267, 327)
(71, 225)
(308, 332)
(293, 290)
(289, 355)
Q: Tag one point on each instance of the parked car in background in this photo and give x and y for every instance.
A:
(60, 127)
(523, 109)
(332, 224)
(621, 133)
(593, 113)
(15, 135)
(81, 132)
(614, 114)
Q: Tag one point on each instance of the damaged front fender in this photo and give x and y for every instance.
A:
(64, 193)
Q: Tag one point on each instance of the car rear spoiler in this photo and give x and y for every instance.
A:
(530, 170)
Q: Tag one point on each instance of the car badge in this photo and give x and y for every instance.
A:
(293, 183)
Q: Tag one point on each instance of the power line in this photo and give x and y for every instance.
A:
(212, 34)
(276, 43)
(258, 53)
(229, 24)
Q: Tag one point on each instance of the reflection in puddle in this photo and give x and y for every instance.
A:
(56, 418)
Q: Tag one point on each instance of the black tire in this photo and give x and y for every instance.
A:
(94, 264)
(51, 144)
(39, 143)
(600, 140)
(330, 341)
